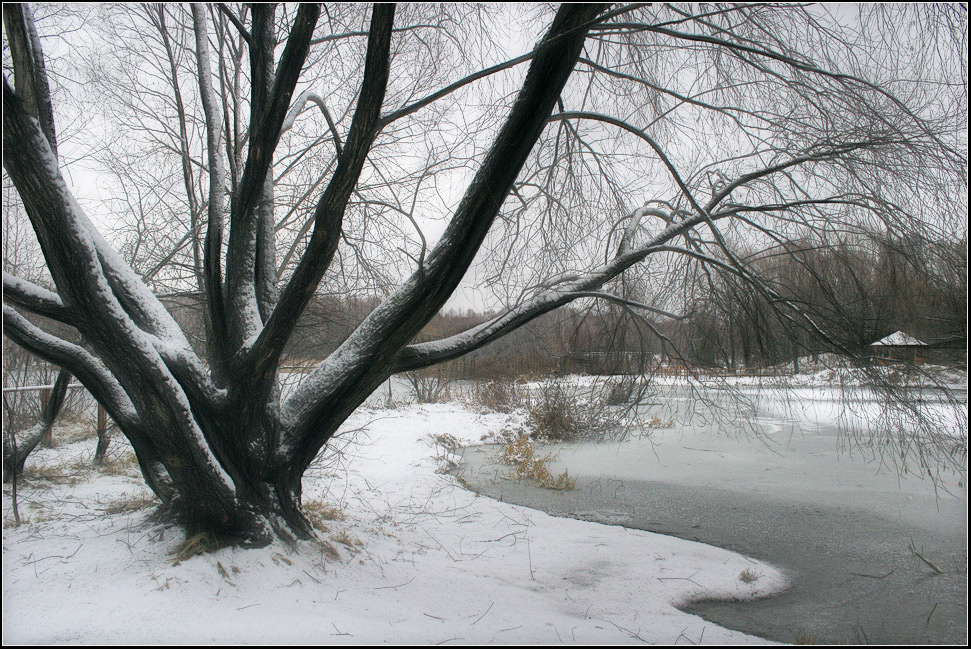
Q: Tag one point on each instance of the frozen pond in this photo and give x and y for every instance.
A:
(845, 527)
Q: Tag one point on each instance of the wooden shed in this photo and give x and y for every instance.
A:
(898, 346)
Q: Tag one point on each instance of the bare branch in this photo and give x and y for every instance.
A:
(449, 89)
(806, 66)
(631, 303)
(226, 11)
(499, 67)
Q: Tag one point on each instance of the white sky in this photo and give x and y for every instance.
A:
(93, 188)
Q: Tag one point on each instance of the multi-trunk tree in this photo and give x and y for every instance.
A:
(741, 127)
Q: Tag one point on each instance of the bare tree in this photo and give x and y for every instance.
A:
(743, 126)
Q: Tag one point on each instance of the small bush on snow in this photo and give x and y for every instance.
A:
(499, 396)
(564, 411)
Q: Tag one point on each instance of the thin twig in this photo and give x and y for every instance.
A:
(863, 574)
(490, 608)
(925, 560)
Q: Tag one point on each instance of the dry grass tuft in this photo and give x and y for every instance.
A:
(447, 441)
(318, 512)
(194, 545)
(521, 455)
(69, 473)
(124, 464)
(656, 424)
(344, 538)
(328, 550)
(10, 522)
(748, 576)
(128, 505)
(74, 427)
(448, 445)
(279, 559)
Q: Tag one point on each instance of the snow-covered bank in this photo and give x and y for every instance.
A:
(421, 560)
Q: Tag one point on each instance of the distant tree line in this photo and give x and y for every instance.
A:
(857, 292)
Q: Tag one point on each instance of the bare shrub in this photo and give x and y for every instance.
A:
(626, 389)
(499, 395)
(563, 410)
(566, 411)
(429, 386)
(621, 391)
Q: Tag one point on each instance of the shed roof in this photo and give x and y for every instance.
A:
(899, 339)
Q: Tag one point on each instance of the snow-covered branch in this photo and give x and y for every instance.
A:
(30, 75)
(88, 369)
(212, 259)
(309, 96)
(35, 299)
(577, 286)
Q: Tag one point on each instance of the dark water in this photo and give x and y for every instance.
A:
(855, 575)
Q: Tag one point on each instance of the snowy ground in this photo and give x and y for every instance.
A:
(412, 557)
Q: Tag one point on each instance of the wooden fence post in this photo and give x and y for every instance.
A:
(48, 439)
(103, 438)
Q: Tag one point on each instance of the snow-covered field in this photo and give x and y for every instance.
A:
(410, 556)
